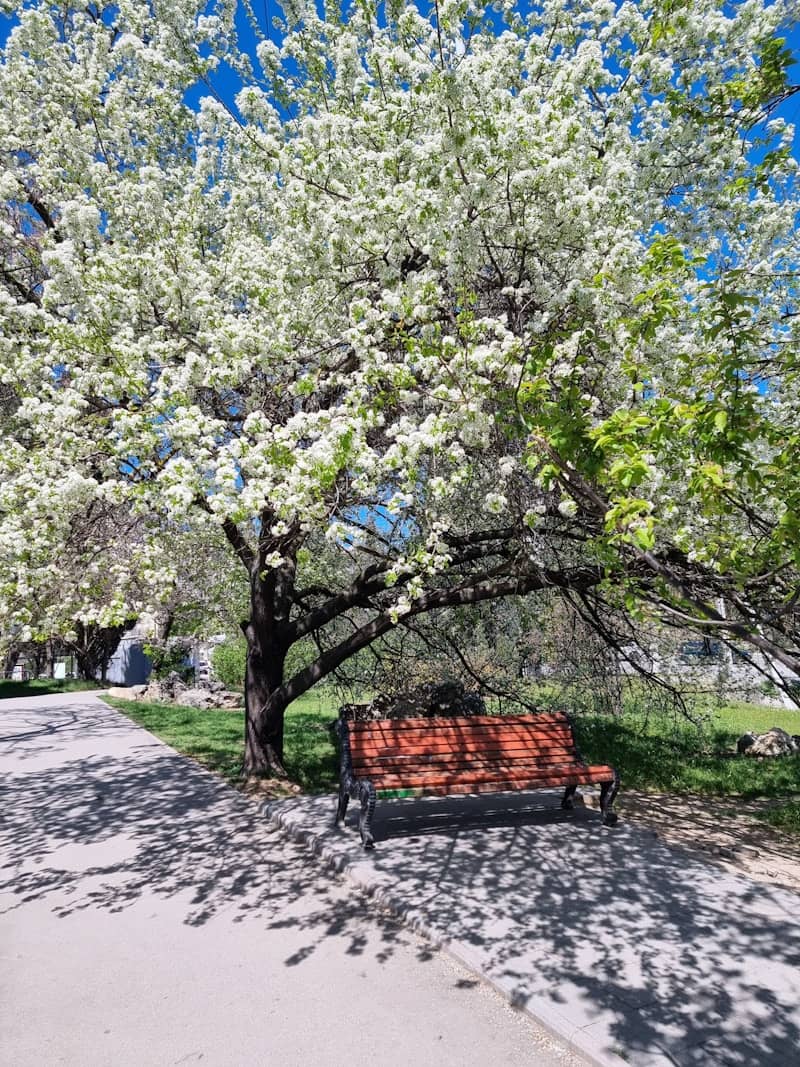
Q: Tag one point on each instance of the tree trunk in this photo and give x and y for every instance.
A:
(10, 662)
(265, 700)
(95, 645)
(264, 710)
(39, 659)
(83, 653)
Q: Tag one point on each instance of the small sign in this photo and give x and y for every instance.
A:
(60, 670)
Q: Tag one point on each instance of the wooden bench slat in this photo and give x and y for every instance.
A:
(480, 720)
(559, 718)
(368, 753)
(387, 730)
(493, 750)
(478, 727)
(473, 755)
(506, 769)
(459, 737)
(556, 772)
(432, 770)
(483, 737)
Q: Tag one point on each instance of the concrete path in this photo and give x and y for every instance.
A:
(632, 951)
(150, 915)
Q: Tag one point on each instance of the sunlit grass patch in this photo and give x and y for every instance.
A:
(674, 755)
(784, 816)
(215, 738)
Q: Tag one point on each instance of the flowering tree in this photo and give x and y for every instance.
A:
(481, 302)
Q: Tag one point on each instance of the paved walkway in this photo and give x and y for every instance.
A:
(631, 950)
(149, 915)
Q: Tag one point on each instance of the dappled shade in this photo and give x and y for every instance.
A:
(648, 949)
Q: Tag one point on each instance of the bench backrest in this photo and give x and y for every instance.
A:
(390, 746)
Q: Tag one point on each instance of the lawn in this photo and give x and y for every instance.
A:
(675, 756)
(214, 738)
(650, 752)
(784, 817)
(44, 686)
(670, 756)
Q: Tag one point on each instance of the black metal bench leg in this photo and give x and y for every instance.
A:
(608, 794)
(366, 792)
(341, 810)
(566, 800)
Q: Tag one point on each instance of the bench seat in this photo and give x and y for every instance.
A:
(390, 758)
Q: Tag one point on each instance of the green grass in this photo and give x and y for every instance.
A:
(674, 756)
(215, 738)
(309, 750)
(652, 752)
(784, 817)
(43, 686)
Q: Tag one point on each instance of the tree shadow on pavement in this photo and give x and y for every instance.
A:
(644, 947)
(107, 831)
(42, 725)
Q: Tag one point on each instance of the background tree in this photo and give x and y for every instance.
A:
(210, 592)
(490, 304)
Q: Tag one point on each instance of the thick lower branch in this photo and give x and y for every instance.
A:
(372, 581)
(452, 596)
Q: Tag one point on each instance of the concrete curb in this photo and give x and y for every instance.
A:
(555, 1024)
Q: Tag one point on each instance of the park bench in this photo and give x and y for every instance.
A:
(462, 755)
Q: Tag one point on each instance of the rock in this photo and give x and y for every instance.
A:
(167, 690)
(202, 697)
(174, 682)
(775, 742)
(173, 690)
(197, 698)
(425, 702)
(124, 692)
(744, 742)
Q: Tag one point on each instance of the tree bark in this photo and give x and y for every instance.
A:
(83, 652)
(265, 705)
(265, 700)
(95, 646)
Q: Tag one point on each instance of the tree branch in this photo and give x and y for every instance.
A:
(235, 537)
(30, 296)
(471, 593)
(372, 581)
(42, 211)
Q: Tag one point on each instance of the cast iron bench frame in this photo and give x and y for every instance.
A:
(506, 753)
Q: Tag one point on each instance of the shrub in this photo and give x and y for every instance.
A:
(229, 660)
(169, 658)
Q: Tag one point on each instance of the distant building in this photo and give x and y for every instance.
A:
(128, 664)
